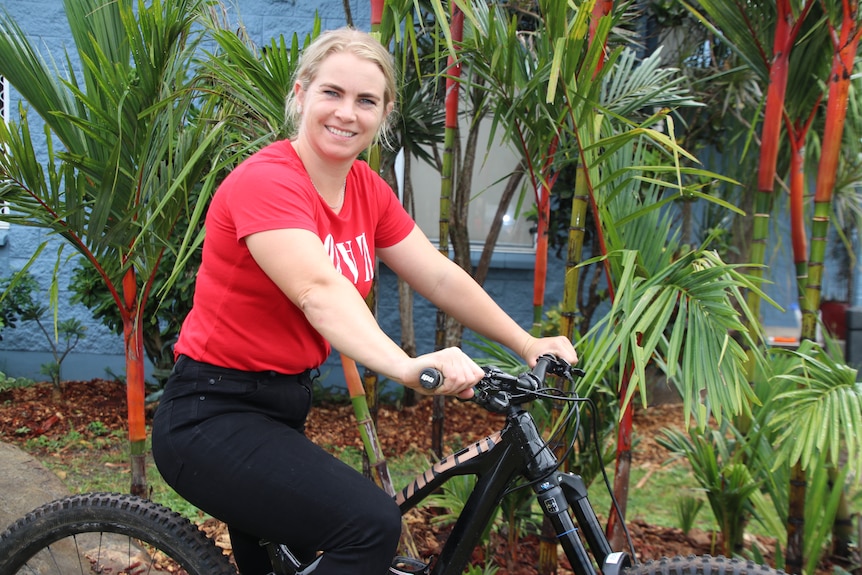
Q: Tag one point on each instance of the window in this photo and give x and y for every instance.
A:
(489, 180)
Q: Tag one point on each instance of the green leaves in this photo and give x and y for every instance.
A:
(681, 315)
(253, 83)
(125, 130)
(817, 413)
(727, 481)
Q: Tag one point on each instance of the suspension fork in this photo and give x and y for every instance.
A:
(541, 465)
(561, 492)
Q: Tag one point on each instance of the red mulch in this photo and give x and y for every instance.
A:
(30, 412)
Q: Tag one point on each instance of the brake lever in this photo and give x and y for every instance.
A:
(563, 368)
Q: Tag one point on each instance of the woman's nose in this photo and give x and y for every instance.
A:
(345, 110)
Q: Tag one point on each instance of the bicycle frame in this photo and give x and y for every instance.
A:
(517, 450)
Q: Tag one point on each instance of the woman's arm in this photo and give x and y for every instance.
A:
(297, 262)
(450, 288)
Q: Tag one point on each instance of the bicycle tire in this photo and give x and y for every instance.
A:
(700, 565)
(108, 533)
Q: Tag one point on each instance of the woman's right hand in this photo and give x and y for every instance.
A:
(460, 372)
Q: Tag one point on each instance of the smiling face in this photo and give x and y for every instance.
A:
(343, 107)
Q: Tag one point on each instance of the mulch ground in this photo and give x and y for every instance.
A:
(31, 412)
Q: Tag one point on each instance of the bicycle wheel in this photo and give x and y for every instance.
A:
(700, 565)
(108, 533)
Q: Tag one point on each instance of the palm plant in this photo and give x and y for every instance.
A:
(672, 322)
(253, 82)
(677, 305)
(749, 34)
(560, 60)
(805, 385)
(512, 64)
(822, 392)
(604, 181)
(128, 136)
(418, 128)
(785, 22)
(454, 32)
(727, 481)
(845, 38)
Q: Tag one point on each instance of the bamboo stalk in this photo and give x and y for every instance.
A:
(368, 434)
(453, 70)
(845, 42)
(135, 387)
(542, 183)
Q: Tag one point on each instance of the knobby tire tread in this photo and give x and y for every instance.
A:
(124, 514)
(700, 565)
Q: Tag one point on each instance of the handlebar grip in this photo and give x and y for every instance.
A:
(430, 378)
(541, 368)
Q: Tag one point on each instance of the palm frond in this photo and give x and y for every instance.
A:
(818, 411)
(129, 119)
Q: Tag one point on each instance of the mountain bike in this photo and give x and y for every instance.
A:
(114, 533)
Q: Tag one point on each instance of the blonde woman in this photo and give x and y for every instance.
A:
(292, 236)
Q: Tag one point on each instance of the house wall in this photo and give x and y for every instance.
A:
(100, 354)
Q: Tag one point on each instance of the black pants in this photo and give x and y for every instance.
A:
(232, 444)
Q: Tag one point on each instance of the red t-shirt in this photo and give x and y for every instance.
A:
(240, 319)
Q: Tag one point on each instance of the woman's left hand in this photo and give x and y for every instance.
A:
(558, 346)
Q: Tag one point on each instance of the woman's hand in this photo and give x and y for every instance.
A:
(558, 346)
(460, 372)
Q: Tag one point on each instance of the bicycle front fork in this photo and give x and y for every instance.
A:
(564, 491)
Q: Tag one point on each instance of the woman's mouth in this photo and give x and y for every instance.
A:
(340, 133)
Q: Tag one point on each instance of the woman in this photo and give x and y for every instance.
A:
(292, 235)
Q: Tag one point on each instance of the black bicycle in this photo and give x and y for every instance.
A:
(121, 534)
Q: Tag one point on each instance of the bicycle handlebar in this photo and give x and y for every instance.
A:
(498, 390)
(430, 378)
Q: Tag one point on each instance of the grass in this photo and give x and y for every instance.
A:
(103, 465)
(402, 469)
(648, 491)
(649, 499)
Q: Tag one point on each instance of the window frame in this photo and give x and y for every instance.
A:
(4, 99)
(4, 117)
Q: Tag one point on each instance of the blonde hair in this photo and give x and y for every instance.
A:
(336, 41)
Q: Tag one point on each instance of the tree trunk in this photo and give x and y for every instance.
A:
(405, 292)
(459, 231)
(133, 339)
(481, 271)
(622, 474)
(845, 43)
(798, 233)
(542, 184)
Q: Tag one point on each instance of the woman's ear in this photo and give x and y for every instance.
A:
(298, 95)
